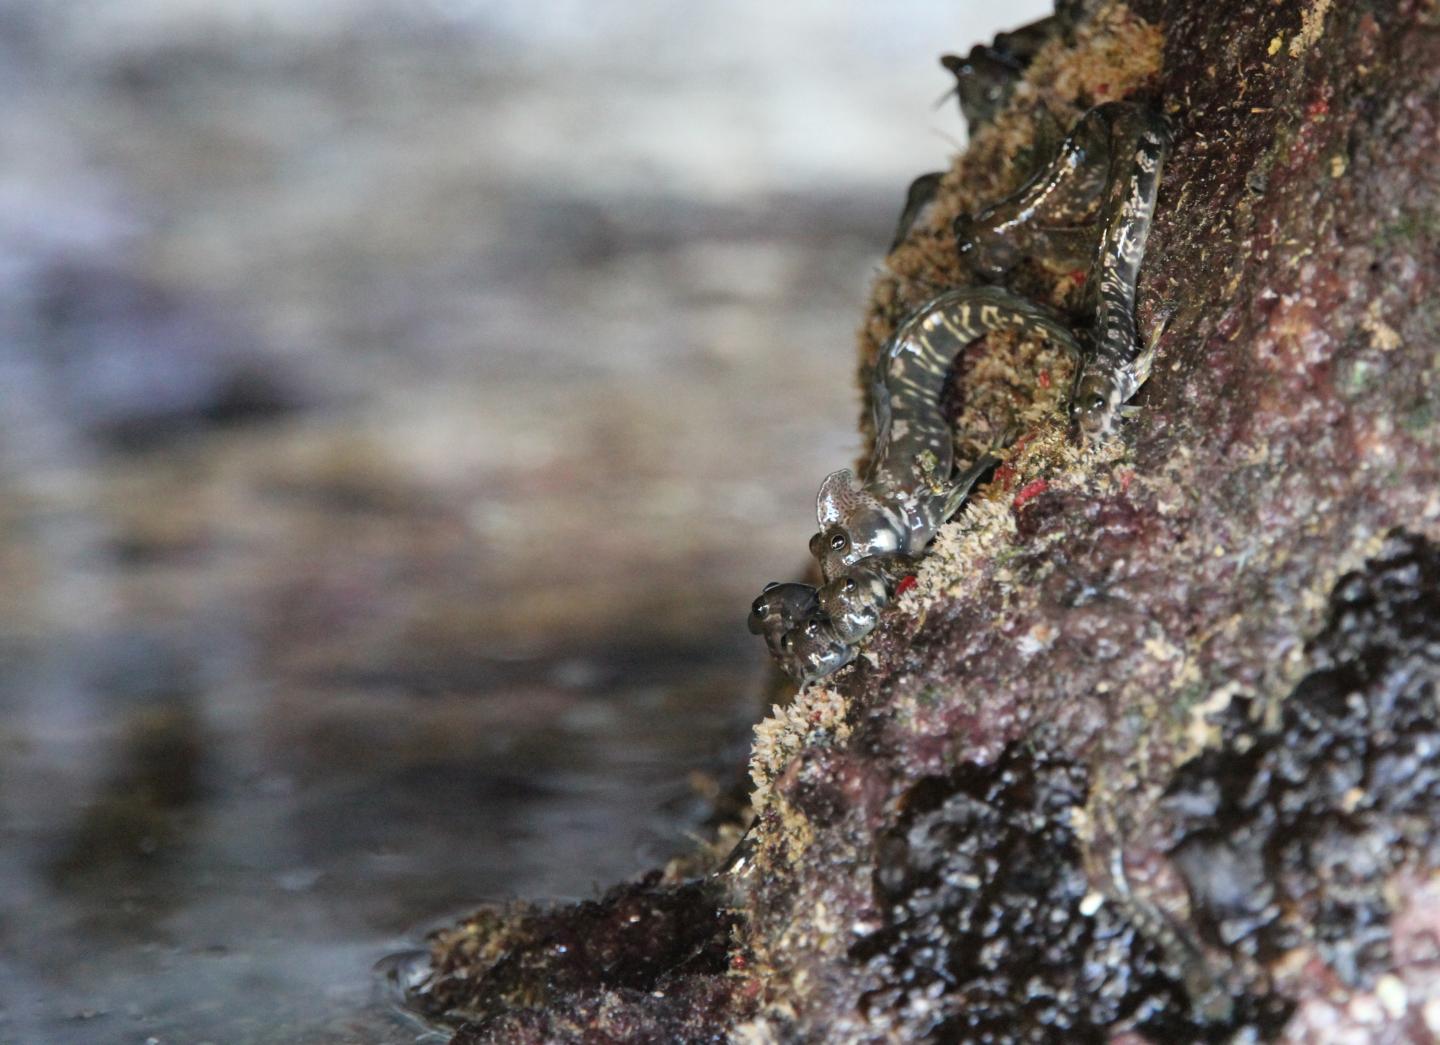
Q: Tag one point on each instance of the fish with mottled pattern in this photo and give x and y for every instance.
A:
(1117, 363)
(909, 491)
(1092, 202)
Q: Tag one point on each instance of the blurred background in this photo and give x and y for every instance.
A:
(400, 405)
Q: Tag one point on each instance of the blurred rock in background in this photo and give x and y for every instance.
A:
(399, 405)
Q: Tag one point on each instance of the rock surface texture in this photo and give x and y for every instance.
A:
(1151, 751)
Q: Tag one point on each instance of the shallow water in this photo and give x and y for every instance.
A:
(398, 412)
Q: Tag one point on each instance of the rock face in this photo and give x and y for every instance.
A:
(1151, 750)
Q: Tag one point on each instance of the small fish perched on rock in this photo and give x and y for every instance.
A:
(872, 530)
(985, 79)
(909, 491)
(1117, 364)
(798, 631)
(1095, 198)
(1109, 163)
(853, 600)
(781, 608)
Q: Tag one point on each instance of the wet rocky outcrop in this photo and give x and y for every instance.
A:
(1149, 751)
(1293, 836)
(646, 962)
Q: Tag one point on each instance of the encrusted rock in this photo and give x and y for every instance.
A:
(1149, 751)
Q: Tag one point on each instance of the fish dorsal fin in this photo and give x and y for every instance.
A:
(840, 494)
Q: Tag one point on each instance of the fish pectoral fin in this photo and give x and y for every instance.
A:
(1159, 321)
(1141, 367)
(919, 196)
(954, 501)
(965, 482)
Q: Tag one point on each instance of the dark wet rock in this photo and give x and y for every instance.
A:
(140, 363)
(646, 962)
(1286, 837)
(988, 935)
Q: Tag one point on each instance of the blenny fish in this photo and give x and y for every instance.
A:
(1116, 363)
(1092, 203)
(909, 490)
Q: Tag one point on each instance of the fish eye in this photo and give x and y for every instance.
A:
(838, 541)
(812, 629)
(1097, 403)
(760, 608)
(849, 584)
(787, 643)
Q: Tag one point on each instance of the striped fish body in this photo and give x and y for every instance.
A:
(1117, 364)
(1140, 141)
(1049, 214)
(914, 444)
